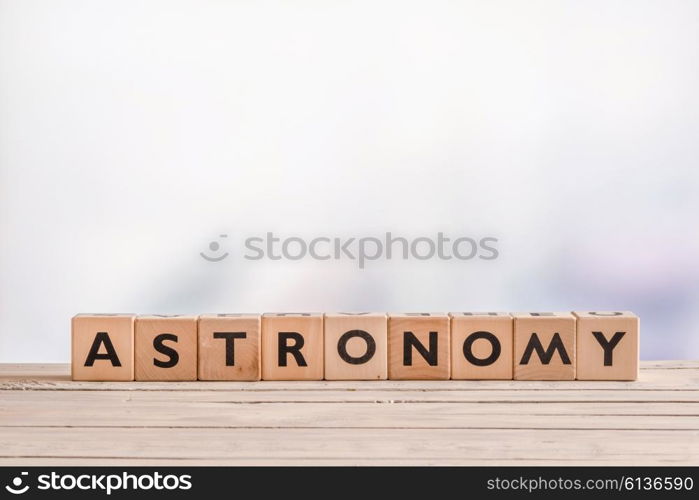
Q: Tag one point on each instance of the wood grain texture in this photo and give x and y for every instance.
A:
(113, 334)
(430, 331)
(537, 335)
(618, 332)
(47, 419)
(156, 337)
(336, 326)
(303, 331)
(492, 347)
(229, 347)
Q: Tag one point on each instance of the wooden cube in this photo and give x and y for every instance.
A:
(418, 346)
(608, 345)
(544, 346)
(481, 346)
(166, 347)
(292, 346)
(356, 346)
(229, 347)
(102, 347)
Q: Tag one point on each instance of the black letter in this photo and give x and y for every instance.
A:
(230, 344)
(545, 357)
(342, 347)
(608, 346)
(111, 355)
(410, 340)
(295, 350)
(168, 351)
(495, 345)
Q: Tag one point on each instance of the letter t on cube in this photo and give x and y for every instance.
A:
(229, 347)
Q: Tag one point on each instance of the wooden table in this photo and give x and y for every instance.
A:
(46, 419)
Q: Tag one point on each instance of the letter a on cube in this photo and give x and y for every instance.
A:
(102, 347)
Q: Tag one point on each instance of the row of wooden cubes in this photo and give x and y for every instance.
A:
(357, 346)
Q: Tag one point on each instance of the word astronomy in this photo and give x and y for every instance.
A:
(357, 346)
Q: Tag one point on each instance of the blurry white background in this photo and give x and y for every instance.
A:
(132, 133)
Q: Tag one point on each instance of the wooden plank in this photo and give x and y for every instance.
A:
(649, 422)
(57, 377)
(371, 396)
(313, 415)
(648, 382)
(681, 364)
(295, 462)
(29, 403)
(325, 461)
(335, 446)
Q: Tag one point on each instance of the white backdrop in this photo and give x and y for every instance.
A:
(134, 132)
